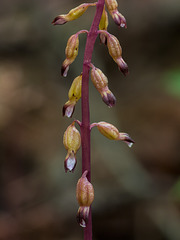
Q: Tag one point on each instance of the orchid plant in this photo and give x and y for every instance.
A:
(79, 89)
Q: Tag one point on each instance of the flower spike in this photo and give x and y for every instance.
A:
(72, 138)
(100, 82)
(85, 197)
(71, 53)
(118, 18)
(73, 14)
(111, 132)
(72, 142)
(74, 95)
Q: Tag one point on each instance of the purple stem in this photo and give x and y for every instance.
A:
(85, 124)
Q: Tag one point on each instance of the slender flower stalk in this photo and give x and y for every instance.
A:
(85, 125)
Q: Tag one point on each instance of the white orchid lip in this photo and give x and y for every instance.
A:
(68, 109)
(70, 162)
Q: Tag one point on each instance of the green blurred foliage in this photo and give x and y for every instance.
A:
(172, 82)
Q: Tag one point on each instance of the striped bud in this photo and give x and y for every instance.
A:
(118, 18)
(74, 95)
(72, 142)
(115, 51)
(111, 5)
(111, 132)
(71, 53)
(103, 25)
(73, 14)
(85, 197)
(98, 78)
(100, 82)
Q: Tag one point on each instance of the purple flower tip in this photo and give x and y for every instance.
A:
(123, 67)
(59, 20)
(109, 98)
(82, 216)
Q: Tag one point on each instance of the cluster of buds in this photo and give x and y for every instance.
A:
(74, 95)
(118, 18)
(100, 82)
(72, 137)
(85, 197)
(72, 142)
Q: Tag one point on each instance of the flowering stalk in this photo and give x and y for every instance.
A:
(80, 89)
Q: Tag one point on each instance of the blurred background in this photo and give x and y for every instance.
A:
(137, 190)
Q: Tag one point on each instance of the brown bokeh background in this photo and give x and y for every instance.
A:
(137, 190)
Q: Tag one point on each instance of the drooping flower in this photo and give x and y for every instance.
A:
(71, 52)
(100, 82)
(85, 197)
(74, 95)
(115, 51)
(118, 18)
(72, 142)
(73, 14)
(111, 132)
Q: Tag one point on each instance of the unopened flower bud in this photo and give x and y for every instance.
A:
(74, 95)
(72, 46)
(98, 78)
(75, 89)
(79, 11)
(73, 14)
(103, 25)
(85, 197)
(115, 51)
(118, 18)
(71, 53)
(111, 132)
(72, 142)
(100, 82)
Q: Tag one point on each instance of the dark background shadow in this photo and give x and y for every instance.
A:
(136, 190)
